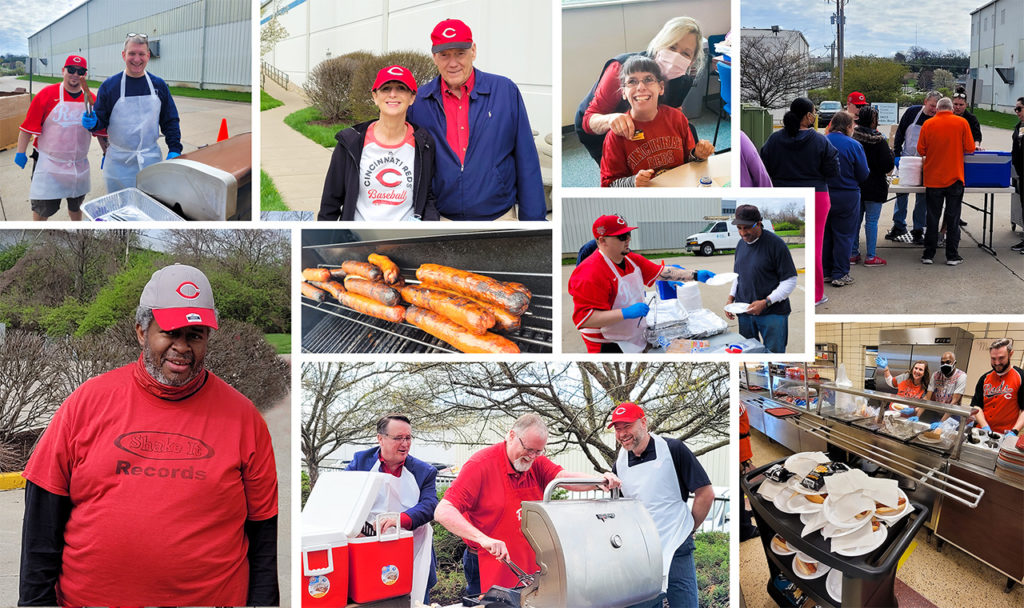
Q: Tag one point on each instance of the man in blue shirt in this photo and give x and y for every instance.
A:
(486, 161)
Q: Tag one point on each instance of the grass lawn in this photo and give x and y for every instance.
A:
(270, 198)
(321, 134)
(995, 119)
(788, 232)
(94, 85)
(267, 102)
(282, 342)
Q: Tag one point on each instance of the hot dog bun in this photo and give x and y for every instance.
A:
(936, 434)
(779, 544)
(881, 509)
(804, 568)
(816, 498)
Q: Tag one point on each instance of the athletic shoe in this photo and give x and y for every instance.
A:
(847, 279)
(905, 237)
(838, 283)
(1018, 247)
(855, 259)
(927, 261)
(954, 261)
(874, 261)
(823, 299)
(895, 232)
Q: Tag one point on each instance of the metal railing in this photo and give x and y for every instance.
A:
(275, 74)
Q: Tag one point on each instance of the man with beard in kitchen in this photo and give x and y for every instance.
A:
(483, 504)
(643, 465)
(767, 276)
(945, 386)
(998, 400)
(155, 483)
(608, 289)
(413, 494)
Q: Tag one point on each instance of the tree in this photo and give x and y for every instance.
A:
(925, 80)
(775, 71)
(943, 79)
(879, 79)
(272, 32)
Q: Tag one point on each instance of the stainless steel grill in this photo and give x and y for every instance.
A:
(506, 255)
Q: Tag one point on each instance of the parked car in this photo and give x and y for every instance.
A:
(718, 235)
(826, 110)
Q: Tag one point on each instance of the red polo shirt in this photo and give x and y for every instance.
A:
(456, 113)
(479, 490)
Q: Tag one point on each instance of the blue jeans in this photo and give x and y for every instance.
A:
(771, 330)
(682, 581)
(471, 567)
(870, 211)
(899, 214)
(840, 232)
(952, 197)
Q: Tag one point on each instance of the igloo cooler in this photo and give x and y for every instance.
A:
(380, 566)
(325, 568)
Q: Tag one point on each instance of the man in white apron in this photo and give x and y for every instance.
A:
(411, 492)
(608, 289)
(661, 473)
(134, 107)
(904, 143)
(61, 167)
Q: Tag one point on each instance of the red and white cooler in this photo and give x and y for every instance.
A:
(380, 566)
(325, 568)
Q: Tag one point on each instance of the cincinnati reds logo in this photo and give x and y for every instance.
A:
(396, 71)
(76, 59)
(188, 290)
(620, 221)
(449, 32)
(389, 184)
(621, 410)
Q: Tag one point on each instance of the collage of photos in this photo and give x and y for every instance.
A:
(790, 376)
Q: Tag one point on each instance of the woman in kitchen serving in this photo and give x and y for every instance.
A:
(913, 384)
(381, 170)
(661, 138)
(678, 50)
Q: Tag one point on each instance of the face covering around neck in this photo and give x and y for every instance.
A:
(672, 64)
(164, 391)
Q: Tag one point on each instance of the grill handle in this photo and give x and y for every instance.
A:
(577, 481)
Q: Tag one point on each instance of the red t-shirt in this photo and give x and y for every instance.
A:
(160, 491)
(666, 143)
(607, 95)
(479, 490)
(456, 114)
(593, 286)
(44, 102)
(1000, 397)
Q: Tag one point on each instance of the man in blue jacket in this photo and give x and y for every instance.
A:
(412, 494)
(486, 161)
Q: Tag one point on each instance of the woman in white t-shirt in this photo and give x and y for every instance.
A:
(381, 170)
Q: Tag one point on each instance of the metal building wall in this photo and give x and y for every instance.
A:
(663, 222)
(203, 43)
(997, 41)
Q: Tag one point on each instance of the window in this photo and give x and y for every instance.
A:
(719, 227)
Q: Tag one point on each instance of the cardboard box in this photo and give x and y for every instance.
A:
(13, 108)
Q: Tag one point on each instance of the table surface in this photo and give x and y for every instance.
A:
(718, 343)
(901, 189)
(688, 175)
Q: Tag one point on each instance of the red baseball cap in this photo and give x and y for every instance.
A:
(394, 73)
(450, 34)
(77, 61)
(857, 98)
(611, 225)
(626, 412)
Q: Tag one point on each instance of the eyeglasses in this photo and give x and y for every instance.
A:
(648, 81)
(530, 451)
(1018, 108)
(134, 35)
(76, 70)
(400, 438)
(624, 237)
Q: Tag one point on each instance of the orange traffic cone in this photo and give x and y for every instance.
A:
(223, 133)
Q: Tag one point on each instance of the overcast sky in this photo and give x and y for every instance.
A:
(22, 18)
(873, 27)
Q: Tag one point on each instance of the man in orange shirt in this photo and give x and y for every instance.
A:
(943, 142)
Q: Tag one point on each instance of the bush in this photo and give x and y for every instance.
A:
(28, 394)
(10, 256)
(119, 299)
(780, 226)
(242, 357)
(329, 83)
(711, 556)
(360, 103)
(306, 488)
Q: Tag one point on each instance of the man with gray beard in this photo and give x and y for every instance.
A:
(158, 471)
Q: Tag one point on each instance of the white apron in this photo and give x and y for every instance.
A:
(62, 170)
(655, 485)
(627, 333)
(134, 133)
(910, 137)
(401, 494)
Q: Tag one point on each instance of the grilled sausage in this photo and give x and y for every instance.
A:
(475, 286)
(389, 268)
(316, 274)
(367, 306)
(313, 293)
(332, 287)
(378, 291)
(462, 310)
(337, 273)
(362, 269)
(503, 320)
(454, 334)
(521, 288)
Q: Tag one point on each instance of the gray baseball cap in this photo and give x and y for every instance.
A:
(180, 296)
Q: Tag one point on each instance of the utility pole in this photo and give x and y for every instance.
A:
(840, 20)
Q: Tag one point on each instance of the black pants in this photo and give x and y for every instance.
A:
(953, 198)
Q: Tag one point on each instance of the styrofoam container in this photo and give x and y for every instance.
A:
(325, 568)
(910, 170)
(380, 567)
(128, 205)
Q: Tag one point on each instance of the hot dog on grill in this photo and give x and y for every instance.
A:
(503, 319)
(456, 308)
(332, 287)
(389, 268)
(362, 269)
(313, 292)
(377, 291)
(371, 307)
(337, 273)
(316, 274)
(454, 334)
(476, 286)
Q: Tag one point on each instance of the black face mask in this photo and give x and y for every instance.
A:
(947, 369)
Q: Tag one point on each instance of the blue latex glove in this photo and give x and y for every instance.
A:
(635, 311)
(674, 284)
(881, 362)
(21, 159)
(89, 120)
(704, 275)
(987, 429)
(912, 419)
(934, 426)
(896, 161)
(171, 155)
(1010, 434)
(908, 411)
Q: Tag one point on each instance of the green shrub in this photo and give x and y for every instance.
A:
(360, 103)
(711, 556)
(306, 487)
(119, 299)
(10, 256)
(781, 226)
(329, 84)
(63, 320)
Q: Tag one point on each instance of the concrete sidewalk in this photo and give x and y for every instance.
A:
(297, 164)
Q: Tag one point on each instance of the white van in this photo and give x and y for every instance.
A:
(718, 235)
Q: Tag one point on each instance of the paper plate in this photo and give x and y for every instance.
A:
(722, 278)
(799, 504)
(781, 502)
(737, 308)
(789, 550)
(821, 571)
(898, 516)
(877, 538)
(829, 507)
(831, 531)
(834, 585)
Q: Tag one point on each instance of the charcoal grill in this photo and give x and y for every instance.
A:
(522, 256)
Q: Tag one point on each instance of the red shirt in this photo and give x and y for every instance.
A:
(160, 491)
(593, 286)
(667, 142)
(1000, 398)
(943, 141)
(607, 95)
(44, 102)
(479, 490)
(456, 113)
